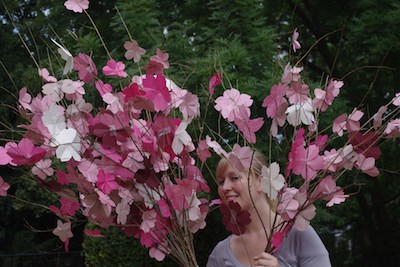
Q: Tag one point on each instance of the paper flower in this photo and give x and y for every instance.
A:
(295, 43)
(133, 51)
(114, 68)
(271, 180)
(77, 5)
(3, 187)
(234, 218)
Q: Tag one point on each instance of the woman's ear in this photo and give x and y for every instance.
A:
(257, 183)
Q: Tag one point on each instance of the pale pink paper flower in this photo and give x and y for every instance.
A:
(103, 88)
(353, 122)
(291, 74)
(240, 157)
(63, 230)
(279, 120)
(148, 220)
(367, 165)
(114, 68)
(181, 138)
(123, 208)
(339, 124)
(232, 103)
(190, 106)
(378, 117)
(328, 190)
(295, 43)
(306, 214)
(25, 98)
(133, 50)
(288, 206)
(392, 129)
(396, 100)
(77, 5)
(45, 75)
(202, 151)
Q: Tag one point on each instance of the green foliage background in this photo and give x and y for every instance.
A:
(358, 42)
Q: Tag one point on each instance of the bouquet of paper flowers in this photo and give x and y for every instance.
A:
(130, 161)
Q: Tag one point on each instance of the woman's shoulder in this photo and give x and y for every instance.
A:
(307, 241)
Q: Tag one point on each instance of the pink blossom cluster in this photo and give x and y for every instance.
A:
(129, 163)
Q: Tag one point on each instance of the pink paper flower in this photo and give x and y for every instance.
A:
(3, 187)
(297, 92)
(234, 218)
(214, 81)
(307, 162)
(161, 58)
(295, 43)
(25, 153)
(68, 207)
(232, 104)
(275, 99)
(133, 51)
(77, 5)
(114, 68)
(86, 68)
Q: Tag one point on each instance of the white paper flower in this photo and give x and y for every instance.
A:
(272, 181)
(300, 113)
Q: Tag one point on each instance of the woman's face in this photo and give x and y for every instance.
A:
(234, 186)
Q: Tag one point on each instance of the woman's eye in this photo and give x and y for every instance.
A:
(234, 178)
(221, 182)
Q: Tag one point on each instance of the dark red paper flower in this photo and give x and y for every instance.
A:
(234, 218)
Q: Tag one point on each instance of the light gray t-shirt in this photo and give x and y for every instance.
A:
(298, 249)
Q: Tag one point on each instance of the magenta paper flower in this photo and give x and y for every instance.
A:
(114, 68)
(106, 182)
(353, 122)
(133, 51)
(365, 144)
(4, 186)
(232, 104)
(378, 117)
(156, 91)
(339, 124)
(103, 88)
(234, 218)
(295, 43)
(367, 165)
(77, 5)
(69, 207)
(214, 81)
(25, 153)
(94, 232)
(5, 159)
(249, 127)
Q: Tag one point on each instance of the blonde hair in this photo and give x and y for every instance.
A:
(258, 161)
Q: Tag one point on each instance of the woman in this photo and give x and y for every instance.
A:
(299, 248)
